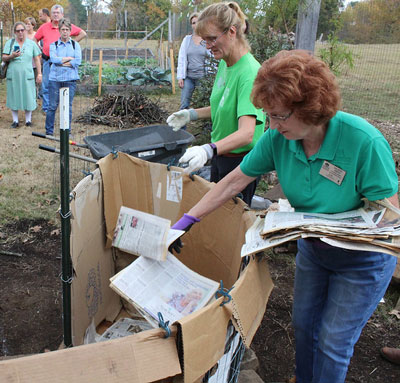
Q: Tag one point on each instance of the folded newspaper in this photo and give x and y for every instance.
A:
(167, 287)
(124, 327)
(374, 227)
(144, 234)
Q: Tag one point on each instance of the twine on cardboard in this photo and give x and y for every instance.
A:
(88, 173)
(164, 325)
(114, 152)
(66, 215)
(69, 280)
(171, 163)
(225, 293)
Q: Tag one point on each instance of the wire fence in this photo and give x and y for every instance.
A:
(371, 88)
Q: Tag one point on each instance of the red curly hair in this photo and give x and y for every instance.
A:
(300, 82)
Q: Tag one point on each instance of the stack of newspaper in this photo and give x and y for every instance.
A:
(156, 282)
(374, 227)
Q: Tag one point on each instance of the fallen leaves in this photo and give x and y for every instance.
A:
(55, 232)
(36, 228)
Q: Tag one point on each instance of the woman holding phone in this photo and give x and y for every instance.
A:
(21, 90)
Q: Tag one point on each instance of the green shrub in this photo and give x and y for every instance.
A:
(337, 55)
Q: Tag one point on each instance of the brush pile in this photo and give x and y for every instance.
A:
(124, 112)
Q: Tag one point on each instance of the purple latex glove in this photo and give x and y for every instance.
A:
(185, 222)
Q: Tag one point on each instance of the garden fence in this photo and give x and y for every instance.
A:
(371, 88)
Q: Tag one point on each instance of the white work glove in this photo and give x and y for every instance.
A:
(196, 157)
(178, 119)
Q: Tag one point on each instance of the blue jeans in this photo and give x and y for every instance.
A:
(45, 85)
(335, 293)
(54, 94)
(189, 84)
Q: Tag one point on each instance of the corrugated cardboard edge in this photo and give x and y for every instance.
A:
(91, 297)
(140, 358)
(120, 175)
(250, 296)
(205, 331)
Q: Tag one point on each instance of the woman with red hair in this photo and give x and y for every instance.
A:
(327, 161)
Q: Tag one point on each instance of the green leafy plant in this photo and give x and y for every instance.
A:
(137, 62)
(337, 55)
(123, 74)
(142, 76)
(267, 43)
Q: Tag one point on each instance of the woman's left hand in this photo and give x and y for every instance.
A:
(39, 78)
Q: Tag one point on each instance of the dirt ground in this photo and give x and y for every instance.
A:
(31, 304)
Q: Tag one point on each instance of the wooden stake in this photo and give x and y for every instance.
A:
(100, 70)
(171, 55)
(127, 49)
(145, 50)
(91, 50)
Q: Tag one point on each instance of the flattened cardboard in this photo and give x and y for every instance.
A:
(203, 337)
(127, 183)
(250, 296)
(212, 248)
(93, 264)
(140, 358)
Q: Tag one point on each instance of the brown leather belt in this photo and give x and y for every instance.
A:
(234, 154)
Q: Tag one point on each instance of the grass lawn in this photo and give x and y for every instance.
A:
(372, 88)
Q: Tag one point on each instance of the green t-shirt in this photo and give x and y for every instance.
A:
(351, 144)
(230, 99)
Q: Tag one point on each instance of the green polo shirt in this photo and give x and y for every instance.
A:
(351, 144)
(230, 99)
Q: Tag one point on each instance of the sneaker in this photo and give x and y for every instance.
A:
(14, 125)
(28, 123)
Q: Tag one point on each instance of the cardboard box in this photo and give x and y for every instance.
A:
(211, 248)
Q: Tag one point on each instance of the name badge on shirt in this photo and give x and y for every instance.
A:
(332, 172)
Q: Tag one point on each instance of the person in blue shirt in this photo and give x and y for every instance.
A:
(65, 58)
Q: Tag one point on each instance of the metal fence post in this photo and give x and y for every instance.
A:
(66, 274)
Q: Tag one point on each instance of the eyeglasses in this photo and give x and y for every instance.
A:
(19, 30)
(277, 117)
(270, 117)
(212, 40)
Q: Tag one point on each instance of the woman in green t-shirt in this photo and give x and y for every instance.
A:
(236, 123)
(327, 161)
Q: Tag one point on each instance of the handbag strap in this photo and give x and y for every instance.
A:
(11, 45)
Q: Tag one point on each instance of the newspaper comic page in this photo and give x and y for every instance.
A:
(167, 287)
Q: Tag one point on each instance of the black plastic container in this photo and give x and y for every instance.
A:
(156, 143)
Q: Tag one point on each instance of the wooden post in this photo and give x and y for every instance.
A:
(160, 50)
(145, 50)
(126, 49)
(307, 24)
(91, 50)
(166, 56)
(100, 70)
(171, 54)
